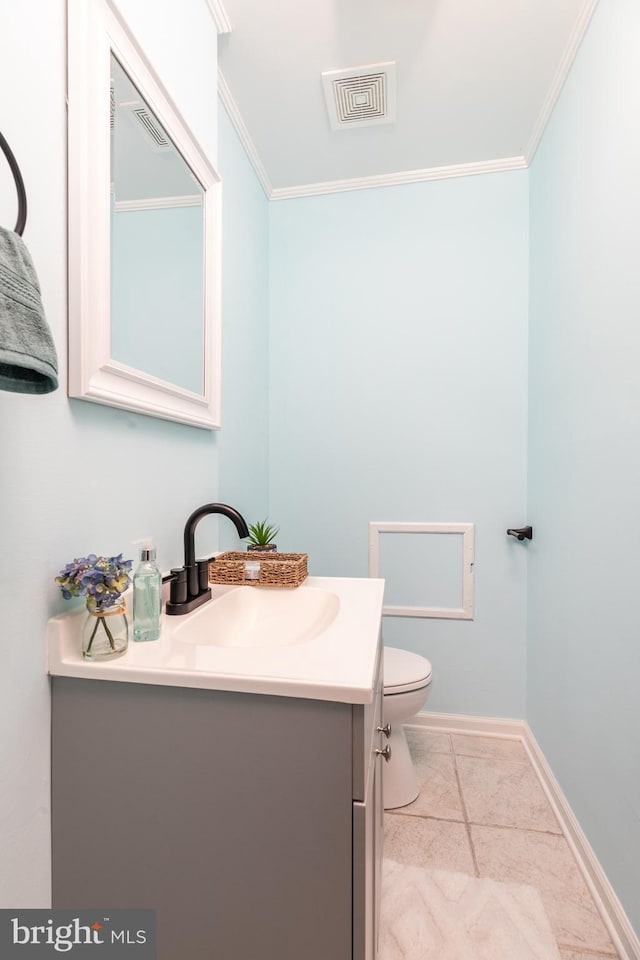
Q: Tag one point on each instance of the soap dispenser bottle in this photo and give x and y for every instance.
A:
(147, 594)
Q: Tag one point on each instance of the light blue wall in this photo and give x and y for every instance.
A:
(156, 283)
(584, 474)
(398, 379)
(76, 476)
(243, 441)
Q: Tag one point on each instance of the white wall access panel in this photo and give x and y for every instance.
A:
(429, 579)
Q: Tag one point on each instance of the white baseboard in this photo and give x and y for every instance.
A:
(622, 933)
(478, 726)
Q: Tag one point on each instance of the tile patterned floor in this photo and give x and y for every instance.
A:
(481, 811)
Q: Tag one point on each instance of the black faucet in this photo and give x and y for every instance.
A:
(190, 584)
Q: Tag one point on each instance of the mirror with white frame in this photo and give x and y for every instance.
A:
(144, 234)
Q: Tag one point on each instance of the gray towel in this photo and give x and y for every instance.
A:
(28, 361)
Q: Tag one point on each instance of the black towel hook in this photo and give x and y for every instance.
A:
(17, 176)
(522, 533)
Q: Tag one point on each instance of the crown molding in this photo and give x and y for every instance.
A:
(575, 39)
(243, 134)
(220, 16)
(158, 203)
(355, 183)
(394, 179)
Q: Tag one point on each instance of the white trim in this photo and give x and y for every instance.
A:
(465, 612)
(233, 113)
(158, 203)
(395, 179)
(220, 16)
(125, 372)
(623, 935)
(575, 39)
(470, 726)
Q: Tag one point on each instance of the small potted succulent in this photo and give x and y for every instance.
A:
(261, 537)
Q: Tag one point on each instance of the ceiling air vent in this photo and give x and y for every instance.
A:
(139, 114)
(361, 96)
(152, 127)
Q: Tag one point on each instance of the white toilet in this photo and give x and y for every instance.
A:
(407, 685)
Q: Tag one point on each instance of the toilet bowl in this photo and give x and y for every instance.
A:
(407, 685)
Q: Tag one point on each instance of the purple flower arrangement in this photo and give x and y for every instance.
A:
(102, 580)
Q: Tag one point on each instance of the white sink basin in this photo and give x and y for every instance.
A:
(260, 617)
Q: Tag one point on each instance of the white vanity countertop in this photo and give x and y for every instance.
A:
(338, 664)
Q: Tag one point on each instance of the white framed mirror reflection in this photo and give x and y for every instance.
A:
(144, 233)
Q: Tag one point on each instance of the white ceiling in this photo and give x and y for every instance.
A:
(476, 83)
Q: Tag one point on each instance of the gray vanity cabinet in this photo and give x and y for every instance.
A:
(250, 823)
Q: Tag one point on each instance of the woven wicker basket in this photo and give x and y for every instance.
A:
(276, 569)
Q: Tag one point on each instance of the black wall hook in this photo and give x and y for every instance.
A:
(17, 176)
(522, 533)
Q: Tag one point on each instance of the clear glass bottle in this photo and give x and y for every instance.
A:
(147, 595)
